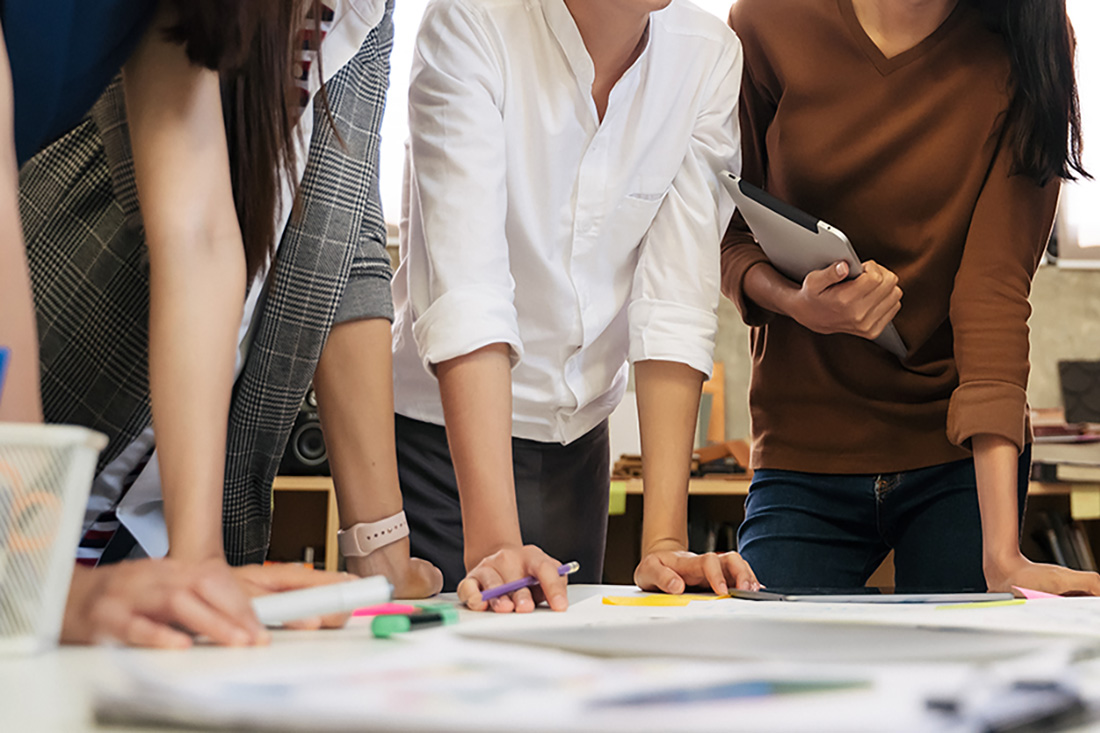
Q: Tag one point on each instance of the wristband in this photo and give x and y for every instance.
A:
(364, 538)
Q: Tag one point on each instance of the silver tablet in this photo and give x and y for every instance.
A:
(797, 243)
(867, 595)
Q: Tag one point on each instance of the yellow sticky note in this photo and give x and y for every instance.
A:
(658, 600)
(980, 604)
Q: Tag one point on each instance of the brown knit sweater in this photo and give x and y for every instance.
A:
(905, 156)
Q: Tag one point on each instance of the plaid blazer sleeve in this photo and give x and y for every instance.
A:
(86, 250)
(368, 293)
(328, 268)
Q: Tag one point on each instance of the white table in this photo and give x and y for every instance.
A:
(52, 692)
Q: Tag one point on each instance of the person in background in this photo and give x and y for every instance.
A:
(563, 218)
(207, 230)
(935, 135)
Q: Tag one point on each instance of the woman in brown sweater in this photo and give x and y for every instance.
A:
(935, 133)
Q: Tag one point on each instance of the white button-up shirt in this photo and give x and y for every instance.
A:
(579, 243)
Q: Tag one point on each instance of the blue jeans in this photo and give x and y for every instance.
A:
(829, 531)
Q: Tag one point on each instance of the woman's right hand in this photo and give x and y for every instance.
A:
(862, 307)
(512, 563)
(160, 603)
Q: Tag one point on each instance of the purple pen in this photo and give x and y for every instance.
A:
(5, 355)
(567, 569)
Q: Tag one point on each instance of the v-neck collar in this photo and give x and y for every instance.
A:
(887, 66)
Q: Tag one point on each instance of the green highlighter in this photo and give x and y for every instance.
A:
(384, 627)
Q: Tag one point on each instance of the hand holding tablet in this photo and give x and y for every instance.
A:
(798, 244)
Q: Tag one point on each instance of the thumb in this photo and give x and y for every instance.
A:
(655, 575)
(820, 280)
(426, 579)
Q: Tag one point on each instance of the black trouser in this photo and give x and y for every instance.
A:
(561, 493)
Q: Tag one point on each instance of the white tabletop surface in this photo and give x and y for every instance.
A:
(52, 692)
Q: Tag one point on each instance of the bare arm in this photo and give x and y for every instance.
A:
(668, 403)
(354, 386)
(477, 405)
(197, 280)
(21, 399)
(995, 460)
(476, 390)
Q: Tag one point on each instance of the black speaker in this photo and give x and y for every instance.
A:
(305, 453)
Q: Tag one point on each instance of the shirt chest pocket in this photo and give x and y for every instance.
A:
(647, 188)
(636, 210)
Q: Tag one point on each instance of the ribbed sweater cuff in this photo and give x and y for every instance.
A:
(736, 261)
(988, 407)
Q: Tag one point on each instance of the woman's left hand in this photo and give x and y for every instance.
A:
(1023, 573)
(411, 577)
(673, 569)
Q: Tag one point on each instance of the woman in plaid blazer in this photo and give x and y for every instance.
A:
(79, 200)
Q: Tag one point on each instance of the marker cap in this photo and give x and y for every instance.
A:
(385, 626)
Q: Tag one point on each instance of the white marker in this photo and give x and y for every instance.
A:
(321, 600)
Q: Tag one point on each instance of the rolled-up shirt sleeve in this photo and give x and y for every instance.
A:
(463, 295)
(674, 299)
(989, 303)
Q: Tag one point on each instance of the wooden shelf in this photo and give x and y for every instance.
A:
(332, 516)
(1083, 493)
(1084, 498)
(738, 486)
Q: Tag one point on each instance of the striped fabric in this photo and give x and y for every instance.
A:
(104, 528)
(308, 43)
(90, 278)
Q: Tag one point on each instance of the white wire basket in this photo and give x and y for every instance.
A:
(45, 475)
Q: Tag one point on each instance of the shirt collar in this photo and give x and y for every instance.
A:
(564, 28)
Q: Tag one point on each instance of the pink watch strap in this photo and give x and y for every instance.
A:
(364, 538)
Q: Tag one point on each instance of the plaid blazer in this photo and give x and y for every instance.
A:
(89, 272)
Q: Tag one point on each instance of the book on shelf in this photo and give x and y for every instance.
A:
(1077, 473)
(1064, 540)
(1078, 462)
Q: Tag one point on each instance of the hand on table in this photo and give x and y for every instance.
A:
(672, 569)
(166, 603)
(514, 563)
(261, 580)
(861, 307)
(160, 603)
(1023, 573)
(411, 577)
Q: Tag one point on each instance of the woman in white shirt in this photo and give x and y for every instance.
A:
(563, 219)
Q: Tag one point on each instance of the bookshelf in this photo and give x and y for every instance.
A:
(306, 514)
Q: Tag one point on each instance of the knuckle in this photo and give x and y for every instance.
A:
(177, 600)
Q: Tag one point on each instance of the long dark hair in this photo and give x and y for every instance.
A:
(252, 44)
(1044, 121)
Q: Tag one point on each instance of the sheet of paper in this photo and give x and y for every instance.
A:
(763, 639)
(457, 685)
